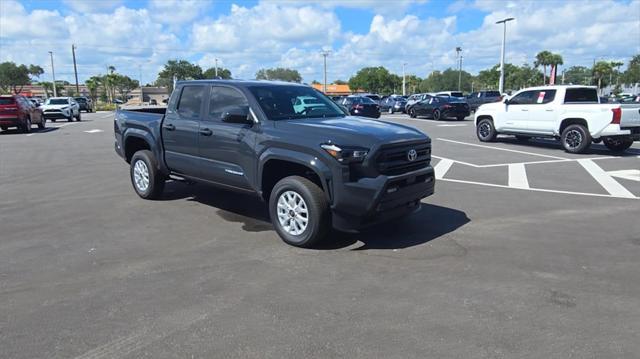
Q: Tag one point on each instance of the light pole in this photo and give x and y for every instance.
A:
(404, 81)
(53, 74)
(458, 51)
(216, 68)
(324, 54)
(504, 38)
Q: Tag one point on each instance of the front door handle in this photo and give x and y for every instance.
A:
(549, 110)
(169, 127)
(206, 132)
(523, 109)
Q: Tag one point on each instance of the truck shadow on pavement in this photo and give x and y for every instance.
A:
(429, 223)
(594, 149)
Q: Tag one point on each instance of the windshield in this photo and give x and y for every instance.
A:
(81, 99)
(492, 94)
(57, 101)
(457, 94)
(282, 102)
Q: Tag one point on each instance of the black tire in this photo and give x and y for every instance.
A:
(43, 123)
(79, 117)
(575, 138)
(318, 216)
(617, 144)
(485, 131)
(390, 110)
(70, 118)
(4, 128)
(412, 113)
(27, 125)
(523, 138)
(460, 118)
(436, 114)
(155, 180)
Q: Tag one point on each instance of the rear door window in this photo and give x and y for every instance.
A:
(190, 103)
(544, 97)
(581, 95)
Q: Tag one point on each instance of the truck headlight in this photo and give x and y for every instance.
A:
(345, 154)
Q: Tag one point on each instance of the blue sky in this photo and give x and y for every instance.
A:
(138, 37)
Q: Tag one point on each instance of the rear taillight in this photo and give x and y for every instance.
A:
(617, 115)
(10, 109)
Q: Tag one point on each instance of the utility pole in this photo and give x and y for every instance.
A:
(404, 81)
(53, 73)
(504, 39)
(324, 54)
(75, 69)
(458, 51)
(216, 68)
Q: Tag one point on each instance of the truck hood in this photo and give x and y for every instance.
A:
(491, 106)
(351, 131)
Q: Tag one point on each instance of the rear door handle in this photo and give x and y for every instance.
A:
(523, 109)
(169, 127)
(206, 132)
(549, 110)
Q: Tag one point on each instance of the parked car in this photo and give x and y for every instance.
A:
(456, 94)
(374, 97)
(55, 108)
(394, 103)
(361, 106)
(572, 114)
(35, 100)
(476, 99)
(439, 107)
(413, 99)
(316, 170)
(19, 112)
(306, 103)
(85, 104)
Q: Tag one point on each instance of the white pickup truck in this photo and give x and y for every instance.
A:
(572, 114)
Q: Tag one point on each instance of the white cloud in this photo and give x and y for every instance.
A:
(92, 6)
(177, 12)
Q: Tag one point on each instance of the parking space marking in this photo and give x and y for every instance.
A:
(442, 167)
(95, 130)
(631, 175)
(453, 125)
(501, 149)
(606, 181)
(518, 176)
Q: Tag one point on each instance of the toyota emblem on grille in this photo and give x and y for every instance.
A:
(412, 155)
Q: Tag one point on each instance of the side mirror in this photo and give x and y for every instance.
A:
(506, 101)
(237, 116)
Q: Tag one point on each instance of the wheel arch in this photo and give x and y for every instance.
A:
(572, 121)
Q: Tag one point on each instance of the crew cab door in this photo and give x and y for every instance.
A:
(180, 130)
(542, 113)
(516, 115)
(227, 139)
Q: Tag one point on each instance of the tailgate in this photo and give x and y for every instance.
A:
(630, 115)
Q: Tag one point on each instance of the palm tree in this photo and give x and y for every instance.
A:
(93, 84)
(616, 65)
(554, 61)
(600, 70)
(111, 69)
(543, 58)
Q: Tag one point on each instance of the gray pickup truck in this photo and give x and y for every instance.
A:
(316, 167)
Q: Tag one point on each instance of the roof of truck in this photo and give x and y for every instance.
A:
(243, 82)
(558, 86)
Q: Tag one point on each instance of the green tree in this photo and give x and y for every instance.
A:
(14, 77)
(554, 61)
(412, 83)
(71, 92)
(181, 69)
(315, 82)
(223, 73)
(375, 80)
(48, 88)
(632, 74)
(93, 83)
(543, 58)
(340, 82)
(124, 85)
(446, 81)
(578, 75)
(601, 70)
(282, 74)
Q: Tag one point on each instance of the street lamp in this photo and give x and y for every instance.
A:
(53, 73)
(458, 51)
(504, 38)
(404, 81)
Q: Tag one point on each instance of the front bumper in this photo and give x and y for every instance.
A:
(56, 115)
(373, 200)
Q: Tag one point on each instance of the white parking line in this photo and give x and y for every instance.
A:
(442, 167)
(518, 176)
(631, 175)
(501, 149)
(452, 125)
(606, 181)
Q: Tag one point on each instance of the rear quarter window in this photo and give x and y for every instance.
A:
(581, 95)
(190, 101)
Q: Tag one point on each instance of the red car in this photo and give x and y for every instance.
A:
(18, 111)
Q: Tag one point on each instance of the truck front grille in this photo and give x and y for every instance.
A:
(395, 160)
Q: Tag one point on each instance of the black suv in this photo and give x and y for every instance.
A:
(85, 104)
(315, 166)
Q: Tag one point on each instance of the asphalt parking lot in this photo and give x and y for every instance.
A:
(524, 251)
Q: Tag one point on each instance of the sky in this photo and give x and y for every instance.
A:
(138, 37)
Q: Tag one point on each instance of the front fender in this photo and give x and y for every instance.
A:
(315, 163)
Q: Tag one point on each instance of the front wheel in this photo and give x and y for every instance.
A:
(575, 139)
(70, 118)
(79, 117)
(147, 181)
(436, 115)
(299, 211)
(485, 131)
(43, 123)
(617, 144)
(27, 125)
(391, 110)
(412, 113)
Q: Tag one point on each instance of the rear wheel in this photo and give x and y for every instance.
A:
(617, 144)
(4, 128)
(147, 181)
(299, 211)
(575, 138)
(390, 110)
(43, 123)
(79, 117)
(412, 113)
(485, 131)
(436, 115)
(70, 118)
